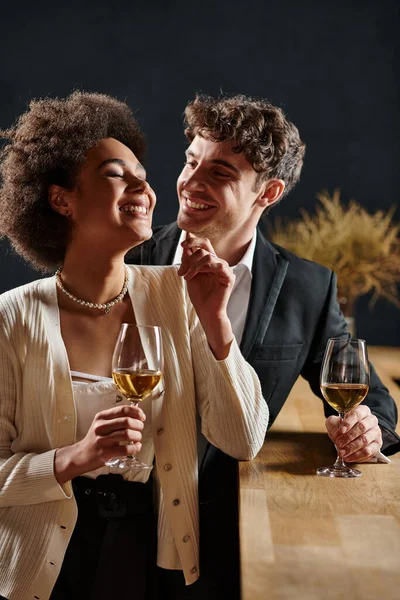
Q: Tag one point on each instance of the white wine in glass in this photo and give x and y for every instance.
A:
(136, 384)
(137, 368)
(344, 385)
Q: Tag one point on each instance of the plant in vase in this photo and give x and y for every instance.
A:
(362, 248)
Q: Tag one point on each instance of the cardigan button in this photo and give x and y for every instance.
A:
(167, 467)
(193, 570)
(176, 502)
(186, 538)
(160, 430)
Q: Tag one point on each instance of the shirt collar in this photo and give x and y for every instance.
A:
(179, 250)
(248, 256)
(246, 260)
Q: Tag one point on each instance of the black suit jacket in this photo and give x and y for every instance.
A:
(292, 312)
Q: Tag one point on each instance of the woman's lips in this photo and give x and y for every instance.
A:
(133, 208)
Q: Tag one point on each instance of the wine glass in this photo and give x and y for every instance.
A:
(137, 367)
(344, 384)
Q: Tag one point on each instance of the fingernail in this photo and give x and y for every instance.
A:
(343, 430)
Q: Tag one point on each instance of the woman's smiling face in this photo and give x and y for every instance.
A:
(111, 203)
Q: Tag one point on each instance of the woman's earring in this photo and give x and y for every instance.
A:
(67, 214)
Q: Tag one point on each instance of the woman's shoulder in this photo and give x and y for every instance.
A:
(162, 288)
(158, 275)
(20, 300)
(26, 290)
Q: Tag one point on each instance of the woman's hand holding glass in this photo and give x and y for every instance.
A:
(109, 429)
(137, 369)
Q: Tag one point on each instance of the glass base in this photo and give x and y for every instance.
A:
(113, 462)
(338, 472)
(127, 462)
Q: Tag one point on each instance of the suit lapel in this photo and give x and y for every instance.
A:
(269, 270)
(160, 250)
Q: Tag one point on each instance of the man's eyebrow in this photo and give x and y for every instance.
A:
(226, 164)
(119, 161)
(217, 161)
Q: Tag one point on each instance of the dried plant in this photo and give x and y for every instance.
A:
(362, 249)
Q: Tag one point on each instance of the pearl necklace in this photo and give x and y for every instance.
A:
(106, 306)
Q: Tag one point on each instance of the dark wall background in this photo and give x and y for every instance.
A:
(332, 66)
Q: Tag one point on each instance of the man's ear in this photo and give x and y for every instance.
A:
(58, 199)
(273, 190)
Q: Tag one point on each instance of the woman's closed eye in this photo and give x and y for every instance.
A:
(113, 174)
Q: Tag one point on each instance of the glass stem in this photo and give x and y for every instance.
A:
(132, 403)
(339, 463)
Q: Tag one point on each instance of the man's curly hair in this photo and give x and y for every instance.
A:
(48, 145)
(268, 140)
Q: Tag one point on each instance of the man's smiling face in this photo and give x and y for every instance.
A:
(217, 191)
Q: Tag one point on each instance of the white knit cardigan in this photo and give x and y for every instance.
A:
(37, 415)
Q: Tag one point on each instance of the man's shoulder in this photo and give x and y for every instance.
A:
(166, 231)
(297, 266)
(159, 249)
(303, 278)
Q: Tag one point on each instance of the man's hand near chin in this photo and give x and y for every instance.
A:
(358, 438)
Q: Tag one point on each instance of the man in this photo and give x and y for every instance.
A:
(245, 156)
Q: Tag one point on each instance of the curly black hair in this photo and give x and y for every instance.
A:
(48, 145)
(268, 140)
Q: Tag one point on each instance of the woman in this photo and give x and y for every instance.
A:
(75, 197)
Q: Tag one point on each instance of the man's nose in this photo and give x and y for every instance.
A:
(194, 180)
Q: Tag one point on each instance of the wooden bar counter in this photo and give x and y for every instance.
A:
(305, 537)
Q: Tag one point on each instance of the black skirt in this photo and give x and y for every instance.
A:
(112, 551)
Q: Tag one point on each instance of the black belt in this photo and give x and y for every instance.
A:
(112, 496)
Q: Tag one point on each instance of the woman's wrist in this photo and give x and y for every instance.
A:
(219, 336)
(66, 464)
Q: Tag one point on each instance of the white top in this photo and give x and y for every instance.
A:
(38, 415)
(99, 394)
(239, 299)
